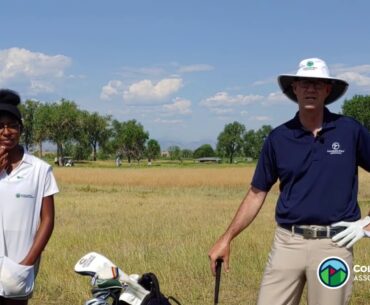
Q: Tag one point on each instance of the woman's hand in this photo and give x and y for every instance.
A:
(4, 161)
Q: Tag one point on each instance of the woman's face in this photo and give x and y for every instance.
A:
(10, 131)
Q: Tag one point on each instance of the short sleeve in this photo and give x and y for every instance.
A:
(51, 186)
(363, 151)
(265, 175)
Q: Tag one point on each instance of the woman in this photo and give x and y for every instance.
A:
(27, 186)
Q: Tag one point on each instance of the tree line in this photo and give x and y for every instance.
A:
(234, 141)
(89, 135)
(83, 134)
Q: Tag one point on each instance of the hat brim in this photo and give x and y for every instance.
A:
(339, 86)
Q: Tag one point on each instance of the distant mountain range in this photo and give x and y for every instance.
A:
(165, 143)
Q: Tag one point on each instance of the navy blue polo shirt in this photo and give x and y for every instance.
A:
(318, 175)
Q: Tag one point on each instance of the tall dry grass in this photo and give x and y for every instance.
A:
(157, 177)
(163, 221)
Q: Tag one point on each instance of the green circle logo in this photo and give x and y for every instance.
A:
(333, 272)
(310, 63)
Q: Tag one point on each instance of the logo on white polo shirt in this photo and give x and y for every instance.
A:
(19, 195)
(335, 149)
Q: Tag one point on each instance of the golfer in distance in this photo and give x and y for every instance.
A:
(315, 156)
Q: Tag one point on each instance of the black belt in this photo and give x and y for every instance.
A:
(313, 231)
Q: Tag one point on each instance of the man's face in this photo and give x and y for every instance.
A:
(10, 131)
(311, 93)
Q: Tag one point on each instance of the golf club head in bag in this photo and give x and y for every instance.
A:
(150, 282)
(96, 301)
(107, 276)
(109, 281)
(91, 263)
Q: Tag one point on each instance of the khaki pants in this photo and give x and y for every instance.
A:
(293, 262)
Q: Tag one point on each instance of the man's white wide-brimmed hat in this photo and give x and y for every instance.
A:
(313, 68)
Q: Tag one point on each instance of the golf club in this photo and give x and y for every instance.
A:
(219, 262)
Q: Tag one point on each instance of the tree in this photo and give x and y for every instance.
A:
(250, 145)
(95, 129)
(62, 118)
(77, 150)
(230, 140)
(187, 153)
(41, 122)
(175, 152)
(28, 110)
(205, 150)
(359, 108)
(107, 150)
(253, 141)
(153, 150)
(129, 139)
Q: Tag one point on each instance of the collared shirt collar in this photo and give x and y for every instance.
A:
(27, 158)
(299, 130)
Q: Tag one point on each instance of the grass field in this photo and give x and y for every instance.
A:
(163, 220)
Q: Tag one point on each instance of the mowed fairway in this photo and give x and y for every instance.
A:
(164, 220)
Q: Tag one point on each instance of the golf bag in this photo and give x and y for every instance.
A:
(150, 282)
(112, 286)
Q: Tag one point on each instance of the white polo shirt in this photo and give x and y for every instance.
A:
(21, 195)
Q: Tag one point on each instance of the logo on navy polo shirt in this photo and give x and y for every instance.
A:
(333, 272)
(335, 149)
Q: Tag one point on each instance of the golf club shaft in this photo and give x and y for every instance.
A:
(218, 279)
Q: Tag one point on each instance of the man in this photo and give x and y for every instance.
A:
(315, 156)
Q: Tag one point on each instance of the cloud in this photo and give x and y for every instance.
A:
(112, 89)
(37, 87)
(143, 72)
(338, 69)
(223, 99)
(179, 106)
(221, 111)
(357, 75)
(275, 98)
(146, 90)
(264, 82)
(355, 78)
(18, 64)
(260, 118)
(172, 122)
(195, 68)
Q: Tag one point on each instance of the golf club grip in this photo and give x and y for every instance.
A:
(219, 262)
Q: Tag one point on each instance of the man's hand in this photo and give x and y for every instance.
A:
(247, 211)
(354, 232)
(221, 249)
(3, 159)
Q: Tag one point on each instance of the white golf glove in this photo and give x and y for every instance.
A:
(354, 232)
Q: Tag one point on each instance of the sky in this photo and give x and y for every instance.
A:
(183, 69)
